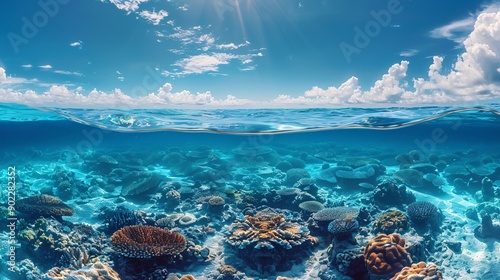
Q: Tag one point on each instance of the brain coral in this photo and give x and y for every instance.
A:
(419, 271)
(385, 255)
(147, 241)
(421, 211)
(390, 222)
(44, 205)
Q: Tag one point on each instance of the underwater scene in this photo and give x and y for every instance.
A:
(399, 193)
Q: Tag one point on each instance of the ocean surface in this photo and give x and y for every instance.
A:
(250, 194)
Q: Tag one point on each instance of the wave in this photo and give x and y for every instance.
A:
(251, 121)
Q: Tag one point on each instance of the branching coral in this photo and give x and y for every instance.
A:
(147, 242)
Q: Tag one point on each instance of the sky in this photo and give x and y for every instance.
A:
(249, 53)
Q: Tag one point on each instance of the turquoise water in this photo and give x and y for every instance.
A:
(118, 168)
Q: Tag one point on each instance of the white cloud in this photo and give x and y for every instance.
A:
(232, 46)
(68, 73)
(474, 76)
(409, 53)
(203, 63)
(27, 66)
(128, 5)
(154, 17)
(121, 79)
(76, 44)
(45, 66)
(183, 7)
(61, 96)
(3, 75)
(6, 81)
(455, 31)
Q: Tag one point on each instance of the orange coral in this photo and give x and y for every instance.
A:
(227, 270)
(385, 255)
(424, 272)
(147, 241)
(265, 229)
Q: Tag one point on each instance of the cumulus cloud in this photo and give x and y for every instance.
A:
(388, 89)
(474, 75)
(27, 66)
(45, 66)
(154, 17)
(6, 81)
(3, 75)
(61, 96)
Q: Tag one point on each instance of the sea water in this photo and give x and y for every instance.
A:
(257, 161)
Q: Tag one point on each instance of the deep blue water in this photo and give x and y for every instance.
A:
(41, 144)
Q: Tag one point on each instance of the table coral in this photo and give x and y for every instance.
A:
(44, 205)
(385, 255)
(147, 242)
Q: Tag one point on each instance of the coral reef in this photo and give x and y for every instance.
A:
(43, 205)
(487, 229)
(323, 217)
(121, 217)
(97, 270)
(311, 206)
(385, 255)
(391, 222)
(45, 239)
(350, 261)
(343, 228)
(419, 271)
(147, 242)
(140, 183)
(340, 212)
(390, 193)
(268, 238)
(421, 211)
(216, 204)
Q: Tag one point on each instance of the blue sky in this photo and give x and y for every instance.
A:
(287, 52)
